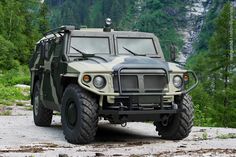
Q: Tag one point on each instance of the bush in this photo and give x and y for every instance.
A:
(8, 95)
(202, 106)
(16, 76)
(8, 79)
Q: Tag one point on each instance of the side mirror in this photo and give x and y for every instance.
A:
(173, 53)
(173, 56)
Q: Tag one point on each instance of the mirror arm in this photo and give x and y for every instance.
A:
(180, 63)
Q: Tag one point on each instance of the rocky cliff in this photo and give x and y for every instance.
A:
(195, 18)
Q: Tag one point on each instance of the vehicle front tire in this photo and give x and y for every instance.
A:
(79, 115)
(179, 125)
(42, 115)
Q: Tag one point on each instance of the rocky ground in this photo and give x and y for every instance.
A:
(20, 137)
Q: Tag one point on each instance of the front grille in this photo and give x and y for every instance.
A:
(137, 81)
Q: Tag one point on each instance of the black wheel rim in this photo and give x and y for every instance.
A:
(71, 114)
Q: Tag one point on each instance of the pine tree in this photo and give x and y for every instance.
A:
(43, 18)
(222, 66)
(116, 12)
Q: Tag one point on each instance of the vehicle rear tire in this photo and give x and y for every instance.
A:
(179, 125)
(79, 115)
(42, 115)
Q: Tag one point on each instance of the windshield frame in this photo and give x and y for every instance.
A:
(116, 37)
(91, 35)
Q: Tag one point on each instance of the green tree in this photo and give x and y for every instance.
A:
(20, 26)
(116, 12)
(43, 18)
(222, 64)
(160, 18)
(216, 71)
(7, 57)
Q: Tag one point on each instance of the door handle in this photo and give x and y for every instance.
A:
(44, 69)
(41, 67)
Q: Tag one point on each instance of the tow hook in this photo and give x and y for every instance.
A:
(165, 120)
(124, 124)
(174, 106)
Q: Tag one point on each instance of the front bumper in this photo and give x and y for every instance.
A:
(120, 117)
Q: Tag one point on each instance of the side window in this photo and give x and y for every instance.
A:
(50, 47)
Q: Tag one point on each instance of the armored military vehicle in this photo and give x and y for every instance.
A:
(121, 76)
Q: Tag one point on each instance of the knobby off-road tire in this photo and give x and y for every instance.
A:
(180, 124)
(42, 115)
(79, 115)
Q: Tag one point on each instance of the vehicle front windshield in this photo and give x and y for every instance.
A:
(139, 46)
(90, 45)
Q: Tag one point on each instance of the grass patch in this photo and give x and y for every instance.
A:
(29, 108)
(227, 136)
(12, 93)
(5, 113)
(15, 76)
(7, 102)
(19, 103)
(9, 93)
(205, 135)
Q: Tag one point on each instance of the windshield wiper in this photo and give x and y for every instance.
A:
(88, 54)
(135, 54)
(83, 53)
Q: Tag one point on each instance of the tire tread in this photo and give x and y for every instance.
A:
(182, 125)
(89, 117)
(44, 117)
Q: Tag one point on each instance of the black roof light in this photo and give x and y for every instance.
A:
(108, 24)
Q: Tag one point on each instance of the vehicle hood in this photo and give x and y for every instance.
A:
(111, 64)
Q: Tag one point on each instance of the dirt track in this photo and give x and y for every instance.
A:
(20, 137)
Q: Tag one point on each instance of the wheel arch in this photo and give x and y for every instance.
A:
(66, 81)
(34, 79)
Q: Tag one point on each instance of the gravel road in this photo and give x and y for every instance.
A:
(20, 137)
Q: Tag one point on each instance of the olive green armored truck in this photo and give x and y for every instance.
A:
(120, 76)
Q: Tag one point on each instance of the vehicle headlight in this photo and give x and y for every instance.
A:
(99, 82)
(178, 81)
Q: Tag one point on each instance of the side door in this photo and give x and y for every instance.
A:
(58, 67)
(35, 62)
(46, 82)
(51, 82)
